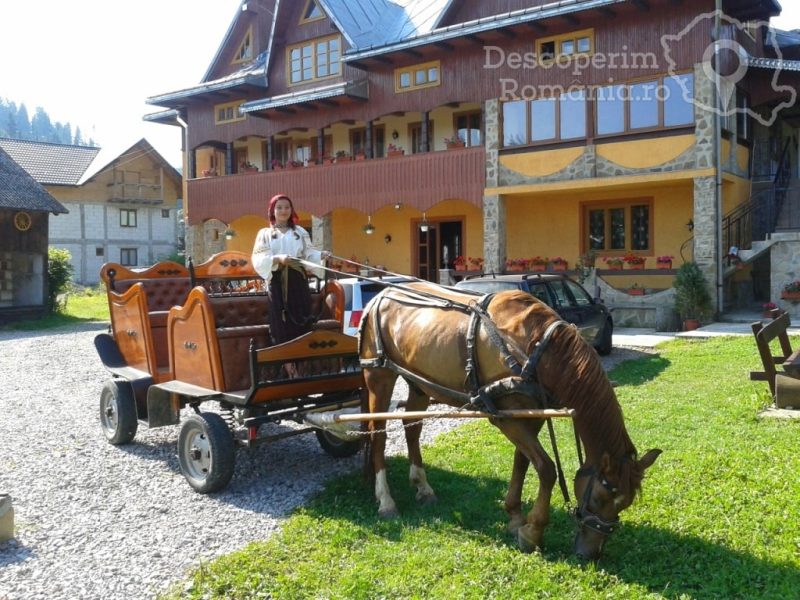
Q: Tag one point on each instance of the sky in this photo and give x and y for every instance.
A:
(93, 63)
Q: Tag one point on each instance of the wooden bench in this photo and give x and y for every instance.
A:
(784, 385)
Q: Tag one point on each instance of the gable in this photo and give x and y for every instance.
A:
(19, 190)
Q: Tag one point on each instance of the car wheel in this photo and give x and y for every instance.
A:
(605, 345)
(206, 452)
(336, 446)
(118, 412)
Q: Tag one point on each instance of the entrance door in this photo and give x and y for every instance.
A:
(438, 247)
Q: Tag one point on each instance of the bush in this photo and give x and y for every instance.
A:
(59, 276)
(692, 300)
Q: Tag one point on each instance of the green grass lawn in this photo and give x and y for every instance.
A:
(719, 516)
(88, 304)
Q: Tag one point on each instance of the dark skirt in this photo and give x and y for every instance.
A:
(294, 318)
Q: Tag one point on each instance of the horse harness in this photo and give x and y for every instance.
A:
(479, 397)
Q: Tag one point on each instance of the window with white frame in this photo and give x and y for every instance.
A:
(314, 59)
(127, 217)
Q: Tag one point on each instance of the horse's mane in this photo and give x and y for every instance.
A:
(582, 384)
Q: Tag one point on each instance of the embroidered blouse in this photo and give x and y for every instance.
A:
(296, 242)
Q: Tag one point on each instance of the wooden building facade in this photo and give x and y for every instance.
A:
(513, 128)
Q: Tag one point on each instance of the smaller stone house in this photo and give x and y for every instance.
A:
(25, 208)
(122, 205)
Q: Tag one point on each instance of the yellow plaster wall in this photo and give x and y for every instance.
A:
(550, 225)
(641, 154)
(541, 163)
(743, 157)
(735, 190)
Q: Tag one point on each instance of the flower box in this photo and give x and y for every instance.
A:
(515, 268)
(559, 266)
(636, 291)
(790, 296)
(395, 153)
(461, 267)
(455, 145)
(538, 267)
(664, 264)
(615, 266)
(636, 266)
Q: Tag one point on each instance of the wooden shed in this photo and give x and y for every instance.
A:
(25, 208)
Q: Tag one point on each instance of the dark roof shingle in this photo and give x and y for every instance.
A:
(50, 164)
(18, 190)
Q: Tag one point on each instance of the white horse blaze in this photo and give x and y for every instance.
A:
(418, 478)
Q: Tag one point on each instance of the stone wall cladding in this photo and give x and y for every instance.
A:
(785, 267)
(494, 233)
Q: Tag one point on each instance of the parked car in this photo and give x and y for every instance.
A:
(566, 296)
(357, 293)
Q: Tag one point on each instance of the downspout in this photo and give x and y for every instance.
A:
(718, 159)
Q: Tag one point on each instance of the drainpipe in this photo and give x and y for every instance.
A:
(718, 159)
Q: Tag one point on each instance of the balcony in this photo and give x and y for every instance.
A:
(419, 180)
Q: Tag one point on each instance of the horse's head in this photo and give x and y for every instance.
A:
(603, 491)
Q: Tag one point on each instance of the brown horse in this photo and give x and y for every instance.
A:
(429, 335)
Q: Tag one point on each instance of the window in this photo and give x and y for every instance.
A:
(165, 213)
(468, 128)
(559, 118)
(358, 141)
(127, 217)
(661, 102)
(128, 257)
(245, 51)
(311, 12)
(618, 226)
(564, 47)
(316, 59)
(99, 251)
(415, 77)
(415, 134)
(281, 153)
(228, 113)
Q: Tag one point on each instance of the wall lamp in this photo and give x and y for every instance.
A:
(369, 228)
(690, 225)
(387, 238)
(424, 225)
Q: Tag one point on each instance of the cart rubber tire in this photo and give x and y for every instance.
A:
(336, 446)
(606, 340)
(118, 417)
(206, 452)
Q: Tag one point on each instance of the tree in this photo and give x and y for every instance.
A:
(23, 123)
(78, 139)
(59, 276)
(42, 129)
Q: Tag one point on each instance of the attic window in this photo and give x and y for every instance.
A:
(228, 112)
(314, 59)
(416, 77)
(245, 51)
(312, 12)
(564, 47)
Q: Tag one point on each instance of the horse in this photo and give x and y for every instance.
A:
(500, 352)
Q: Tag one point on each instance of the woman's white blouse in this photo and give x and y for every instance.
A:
(271, 242)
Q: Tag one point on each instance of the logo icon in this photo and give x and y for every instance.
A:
(726, 62)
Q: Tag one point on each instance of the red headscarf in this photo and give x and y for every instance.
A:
(293, 220)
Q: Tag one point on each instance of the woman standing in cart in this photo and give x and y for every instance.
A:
(274, 258)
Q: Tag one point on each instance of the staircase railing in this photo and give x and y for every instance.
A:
(758, 217)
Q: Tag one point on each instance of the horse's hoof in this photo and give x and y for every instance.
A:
(525, 541)
(427, 499)
(389, 514)
(515, 523)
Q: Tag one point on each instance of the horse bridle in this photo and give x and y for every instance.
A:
(585, 517)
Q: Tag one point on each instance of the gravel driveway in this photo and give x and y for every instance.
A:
(98, 521)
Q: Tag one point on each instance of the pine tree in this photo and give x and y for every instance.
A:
(78, 139)
(23, 123)
(42, 129)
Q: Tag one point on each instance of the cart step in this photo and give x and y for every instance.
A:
(187, 389)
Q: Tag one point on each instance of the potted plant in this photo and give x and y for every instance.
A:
(276, 165)
(664, 262)
(614, 262)
(516, 264)
(634, 261)
(453, 142)
(767, 308)
(341, 156)
(559, 264)
(475, 264)
(247, 167)
(791, 291)
(460, 263)
(393, 151)
(360, 155)
(692, 298)
(538, 263)
(635, 290)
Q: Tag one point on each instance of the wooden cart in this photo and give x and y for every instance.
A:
(181, 337)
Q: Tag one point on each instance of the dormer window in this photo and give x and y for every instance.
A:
(312, 12)
(564, 47)
(314, 59)
(245, 51)
(228, 113)
(416, 77)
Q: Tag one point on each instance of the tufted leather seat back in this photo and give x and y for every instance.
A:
(237, 311)
(162, 294)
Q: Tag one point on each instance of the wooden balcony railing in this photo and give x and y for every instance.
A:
(419, 180)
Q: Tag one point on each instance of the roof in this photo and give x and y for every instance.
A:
(18, 190)
(112, 156)
(354, 89)
(50, 164)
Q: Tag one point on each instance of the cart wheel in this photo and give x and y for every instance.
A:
(206, 452)
(336, 446)
(118, 417)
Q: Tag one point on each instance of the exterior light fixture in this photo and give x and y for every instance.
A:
(424, 225)
(369, 228)
(690, 225)
(229, 234)
(398, 205)
(387, 238)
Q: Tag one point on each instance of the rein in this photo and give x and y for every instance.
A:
(586, 518)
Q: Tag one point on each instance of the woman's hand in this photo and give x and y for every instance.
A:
(281, 259)
(325, 255)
